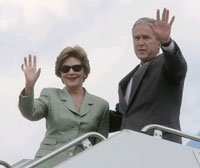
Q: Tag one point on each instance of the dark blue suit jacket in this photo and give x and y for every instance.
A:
(156, 94)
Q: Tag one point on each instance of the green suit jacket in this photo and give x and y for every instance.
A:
(63, 121)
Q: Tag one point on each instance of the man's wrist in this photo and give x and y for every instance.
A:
(170, 47)
(167, 44)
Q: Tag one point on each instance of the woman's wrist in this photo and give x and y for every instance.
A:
(28, 89)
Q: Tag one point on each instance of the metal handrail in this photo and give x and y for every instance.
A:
(65, 147)
(4, 164)
(170, 130)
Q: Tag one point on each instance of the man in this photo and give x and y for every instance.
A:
(152, 92)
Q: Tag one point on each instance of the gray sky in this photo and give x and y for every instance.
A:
(103, 29)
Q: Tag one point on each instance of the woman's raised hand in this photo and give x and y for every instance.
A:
(31, 73)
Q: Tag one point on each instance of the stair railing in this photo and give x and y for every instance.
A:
(158, 129)
(5, 164)
(82, 139)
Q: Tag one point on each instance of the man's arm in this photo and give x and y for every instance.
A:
(175, 62)
(115, 119)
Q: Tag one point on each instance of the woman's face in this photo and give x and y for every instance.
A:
(72, 73)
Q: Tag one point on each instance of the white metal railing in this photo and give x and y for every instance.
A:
(5, 164)
(159, 128)
(65, 147)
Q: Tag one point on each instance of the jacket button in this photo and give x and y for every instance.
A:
(76, 127)
(70, 154)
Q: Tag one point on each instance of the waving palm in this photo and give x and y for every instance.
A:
(31, 74)
(162, 30)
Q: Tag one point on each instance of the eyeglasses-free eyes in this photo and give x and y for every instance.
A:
(66, 68)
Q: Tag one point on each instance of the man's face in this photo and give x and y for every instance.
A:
(146, 45)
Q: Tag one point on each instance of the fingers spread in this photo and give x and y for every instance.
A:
(172, 20)
(34, 61)
(164, 14)
(38, 73)
(22, 67)
(158, 15)
(25, 62)
(167, 16)
(30, 60)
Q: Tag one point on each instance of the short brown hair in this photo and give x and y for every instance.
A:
(76, 52)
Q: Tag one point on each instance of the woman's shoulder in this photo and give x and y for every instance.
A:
(97, 99)
(51, 90)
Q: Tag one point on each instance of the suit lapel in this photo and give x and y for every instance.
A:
(122, 89)
(121, 100)
(87, 104)
(69, 103)
(137, 78)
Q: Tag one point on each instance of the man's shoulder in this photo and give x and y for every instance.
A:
(158, 60)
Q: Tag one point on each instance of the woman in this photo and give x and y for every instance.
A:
(69, 112)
